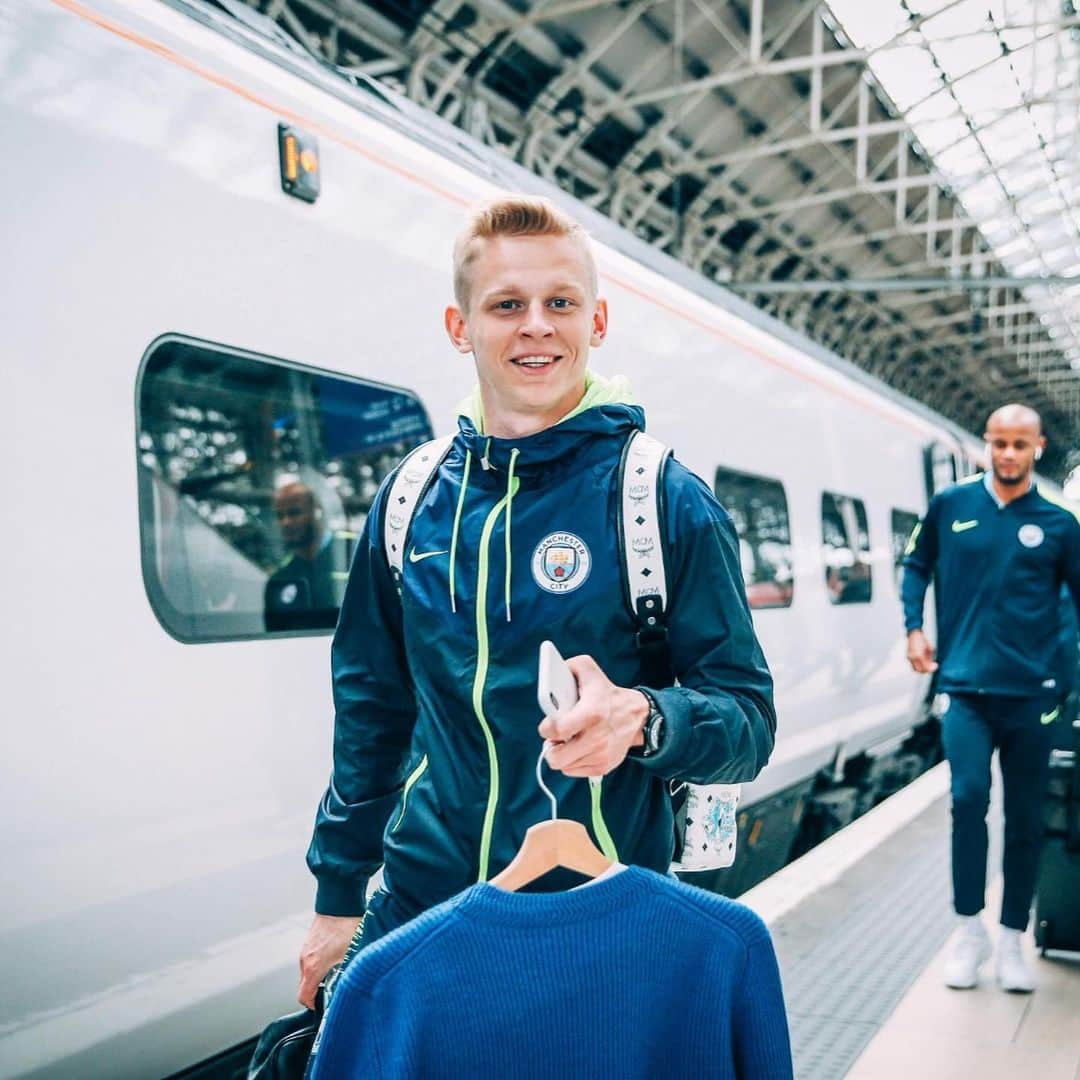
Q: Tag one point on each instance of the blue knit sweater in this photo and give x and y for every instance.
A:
(634, 975)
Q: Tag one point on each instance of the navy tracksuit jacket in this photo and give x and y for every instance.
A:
(998, 572)
(435, 741)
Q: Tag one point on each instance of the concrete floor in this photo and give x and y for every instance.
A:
(983, 1034)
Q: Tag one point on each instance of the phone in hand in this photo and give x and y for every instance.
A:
(556, 688)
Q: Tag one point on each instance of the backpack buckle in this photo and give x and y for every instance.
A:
(652, 632)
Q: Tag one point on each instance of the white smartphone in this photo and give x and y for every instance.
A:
(556, 688)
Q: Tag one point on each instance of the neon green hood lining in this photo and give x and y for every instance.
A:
(599, 390)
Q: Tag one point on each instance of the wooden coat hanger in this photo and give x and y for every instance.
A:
(559, 842)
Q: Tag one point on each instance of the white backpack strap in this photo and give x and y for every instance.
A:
(409, 484)
(710, 830)
(641, 540)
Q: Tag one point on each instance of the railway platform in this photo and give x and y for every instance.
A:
(861, 926)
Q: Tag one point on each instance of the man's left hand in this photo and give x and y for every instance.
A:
(594, 737)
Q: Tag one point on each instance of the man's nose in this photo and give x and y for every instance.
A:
(537, 320)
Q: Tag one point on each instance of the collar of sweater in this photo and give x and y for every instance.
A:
(488, 903)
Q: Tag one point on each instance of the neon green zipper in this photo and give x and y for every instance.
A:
(413, 777)
(482, 659)
(600, 829)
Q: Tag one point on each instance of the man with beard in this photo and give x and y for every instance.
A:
(301, 594)
(999, 550)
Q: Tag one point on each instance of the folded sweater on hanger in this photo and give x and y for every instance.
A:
(637, 976)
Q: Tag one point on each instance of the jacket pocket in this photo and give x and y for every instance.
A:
(410, 781)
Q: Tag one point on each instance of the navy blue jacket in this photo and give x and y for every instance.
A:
(998, 573)
(435, 736)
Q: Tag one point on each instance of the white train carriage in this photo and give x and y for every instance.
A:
(180, 332)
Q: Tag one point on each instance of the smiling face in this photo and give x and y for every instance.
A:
(531, 317)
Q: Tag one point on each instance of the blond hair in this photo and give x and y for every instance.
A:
(513, 215)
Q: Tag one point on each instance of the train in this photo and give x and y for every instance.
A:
(227, 265)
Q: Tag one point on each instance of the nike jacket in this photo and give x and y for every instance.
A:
(435, 735)
(997, 572)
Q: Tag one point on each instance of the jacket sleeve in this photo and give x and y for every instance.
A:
(719, 721)
(374, 716)
(920, 557)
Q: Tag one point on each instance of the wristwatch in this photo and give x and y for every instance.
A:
(653, 731)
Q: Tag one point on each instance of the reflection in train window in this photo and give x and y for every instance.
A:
(846, 538)
(758, 507)
(255, 478)
(903, 525)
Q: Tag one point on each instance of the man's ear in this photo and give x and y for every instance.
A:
(599, 323)
(456, 329)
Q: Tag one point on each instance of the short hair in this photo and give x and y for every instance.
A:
(513, 215)
(1015, 413)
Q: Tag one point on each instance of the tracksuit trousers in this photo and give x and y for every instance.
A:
(972, 728)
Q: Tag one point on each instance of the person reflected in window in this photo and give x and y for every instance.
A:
(301, 594)
(855, 587)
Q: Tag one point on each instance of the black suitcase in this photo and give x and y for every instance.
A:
(1057, 900)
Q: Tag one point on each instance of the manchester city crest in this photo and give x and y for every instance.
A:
(561, 563)
(1030, 535)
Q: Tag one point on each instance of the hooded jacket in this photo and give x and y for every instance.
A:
(435, 736)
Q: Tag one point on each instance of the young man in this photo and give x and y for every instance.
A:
(436, 733)
(998, 550)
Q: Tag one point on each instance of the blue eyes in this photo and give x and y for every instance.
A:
(559, 303)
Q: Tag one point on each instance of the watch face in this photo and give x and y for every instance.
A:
(652, 731)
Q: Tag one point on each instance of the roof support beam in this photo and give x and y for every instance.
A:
(897, 284)
(823, 198)
(833, 58)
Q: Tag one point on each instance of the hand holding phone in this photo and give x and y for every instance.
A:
(556, 687)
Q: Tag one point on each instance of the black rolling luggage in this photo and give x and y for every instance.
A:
(1057, 902)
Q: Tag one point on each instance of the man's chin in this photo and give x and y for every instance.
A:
(1010, 481)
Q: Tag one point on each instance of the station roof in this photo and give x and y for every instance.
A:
(898, 179)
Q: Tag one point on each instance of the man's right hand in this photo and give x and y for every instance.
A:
(325, 945)
(920, 653)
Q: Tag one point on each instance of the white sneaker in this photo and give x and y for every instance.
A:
(970, 950)
(1012, 970)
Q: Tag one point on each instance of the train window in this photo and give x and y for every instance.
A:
(846, 538)
(758, 507)
(255, 478)
(903, 525)
(941, 464)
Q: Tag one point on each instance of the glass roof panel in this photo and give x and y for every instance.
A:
(991, 90)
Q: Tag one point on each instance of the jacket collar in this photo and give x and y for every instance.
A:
(606, 410)
(988, 483)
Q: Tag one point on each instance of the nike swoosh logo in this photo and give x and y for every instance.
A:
(1049, 717)
(963, 526)
(414, 557)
